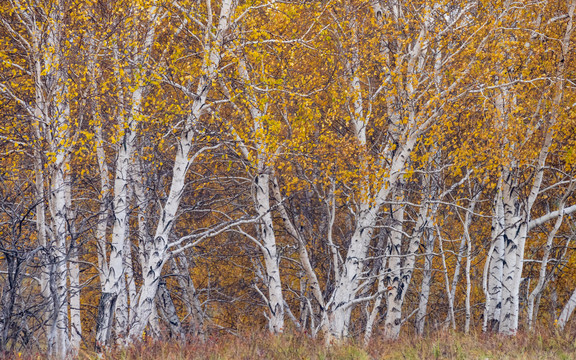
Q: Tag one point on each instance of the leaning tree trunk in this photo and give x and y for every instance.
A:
(114, 281)
(135, 87)
(567, 311)
(543, 275)
(340, 305)
(190, 296)
(169, 312)
(155, 252)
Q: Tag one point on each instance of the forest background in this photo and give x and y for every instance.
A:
(340, 168)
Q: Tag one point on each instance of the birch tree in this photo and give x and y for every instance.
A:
(412, 64)
(40, 31)
(180, 165)
(514, 219)
(262, 162)
(131, 51)
(156, 251)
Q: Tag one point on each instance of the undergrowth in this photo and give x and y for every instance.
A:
(539, 344)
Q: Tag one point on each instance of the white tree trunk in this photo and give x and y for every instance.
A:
(456, 276)
(404, 128)
(543, 275)
(127, 294)
(262, 196)
(130, 282)
(74, 279)
(120, 322)
(50, 119)
(114, 281)
(516, 218)
(401, 265)
(514, 235)
(156, 251)
(393, 280)
(113, 274)
(426, 284)
(494, 268)
(169, 312)
(374, 313)
(340, 305)
(58, 341)
(270, 253)
(191, 301)
(566, 312)
(103, 211)
(75, 318)
(466, 224)
(451, 317)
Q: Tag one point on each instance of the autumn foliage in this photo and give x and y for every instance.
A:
(341, 169)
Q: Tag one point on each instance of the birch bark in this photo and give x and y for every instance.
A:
(517, 215)
(401, 265)
(393, 280)
(263, 164)
(271, 258)
(52, 101)
(494, 268)
(405, 125)
(169, 312)
(426, 283)
(114, 284)
(156, 251)
(190, 295)
(73, 278)
(567, 311)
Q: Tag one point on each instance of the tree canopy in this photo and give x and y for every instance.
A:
(344, 168)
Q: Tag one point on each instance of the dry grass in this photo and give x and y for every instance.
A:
(540, 344)
(454, 345)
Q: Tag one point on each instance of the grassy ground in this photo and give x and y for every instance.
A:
(441, 345)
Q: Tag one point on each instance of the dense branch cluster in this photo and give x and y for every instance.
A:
(344, 168)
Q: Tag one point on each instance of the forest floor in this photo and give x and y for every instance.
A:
(438, 345)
